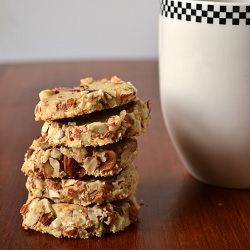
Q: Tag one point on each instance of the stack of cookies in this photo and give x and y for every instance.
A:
(81, 179)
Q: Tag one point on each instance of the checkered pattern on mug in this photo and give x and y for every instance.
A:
(192, 11)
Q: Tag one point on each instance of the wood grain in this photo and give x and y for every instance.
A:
(178, 211)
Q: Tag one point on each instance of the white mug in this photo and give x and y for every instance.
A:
(204, 67)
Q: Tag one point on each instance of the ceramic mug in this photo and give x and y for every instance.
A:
(204, 67)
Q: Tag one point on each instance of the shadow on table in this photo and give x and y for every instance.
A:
(187, 214)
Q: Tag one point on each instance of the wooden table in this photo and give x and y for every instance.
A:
(178, 211)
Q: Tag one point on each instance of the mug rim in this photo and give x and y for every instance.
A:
(218, 2)
(199, 11)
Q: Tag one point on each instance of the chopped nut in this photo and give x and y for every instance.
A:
(31, 219)
(118, 210)
(72, 123)
(98, 127)
(65, 106)
(115, 79)
(59, 134)
(46, 93)
(55, 153)
(77, 133)
(56, 223)
(86, 81)
(45, 128)
(110, 161)
(110, 94)
(71, 192)
(72, 232)
(93, 218)
(96, 196)
(48, 170)
(29, 152)
(45, 156)
(82, 173)
(114, 123)
(133, 212)
(55, 164)
(69, 182)
(108, 187)
(103, 80)
(55, 185)
(46, 219)
(53, 194)
(129, 119)
(90, 164)
(88, 105)
(141, 202)
(70, 166)
(24, 209)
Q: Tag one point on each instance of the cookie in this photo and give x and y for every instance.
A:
(85, 191)
(63, 162)
(90, 96)
(99, 128)
(70, 220)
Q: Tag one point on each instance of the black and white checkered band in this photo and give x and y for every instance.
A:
(200, 13)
